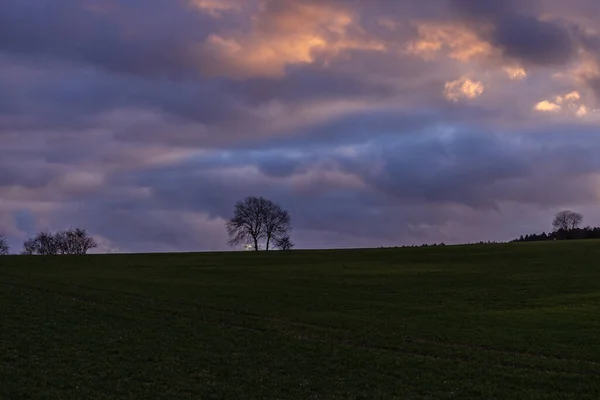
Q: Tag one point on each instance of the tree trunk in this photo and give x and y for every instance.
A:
(255, 244)
(268, 240)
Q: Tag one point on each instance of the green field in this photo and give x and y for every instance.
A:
(514, 321)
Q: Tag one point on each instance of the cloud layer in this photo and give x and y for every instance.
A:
(374, 123)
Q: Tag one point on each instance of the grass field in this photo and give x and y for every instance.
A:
(516, 321)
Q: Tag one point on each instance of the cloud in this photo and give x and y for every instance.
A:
(570, 103)
(534, 41)
(288, 33)
(463, 88)
(547, 106)
(518, 33)
(515, 73)
(124, 37)
(457, 41)
(573, 96)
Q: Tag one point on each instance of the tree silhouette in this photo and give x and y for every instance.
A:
(284, 243)
(566, 220)
(277, 224)
(74, 241)
(4, 249)
(257, 220)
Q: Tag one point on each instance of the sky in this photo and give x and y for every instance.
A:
(373, 122)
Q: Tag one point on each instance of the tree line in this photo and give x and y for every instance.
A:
(566, 226)
(68, 241)
(4, 249)
(573, 234)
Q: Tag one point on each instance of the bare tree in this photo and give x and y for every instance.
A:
(257, 220)
(64, 242)
(566, 220)
(47, 245)
(247, 222)
(4, 249)
(74, 241)
(277, 223)
(284, 243)
(84, 241)
(29, 247)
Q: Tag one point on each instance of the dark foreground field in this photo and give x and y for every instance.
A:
(475, 322)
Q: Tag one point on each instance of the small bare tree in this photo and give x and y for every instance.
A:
(257, 220)
(47, 245)
(29, 247)
(84, 241)
(4, 249)
(566, 220)
(277, 223)
(74, 241)
(284, 243)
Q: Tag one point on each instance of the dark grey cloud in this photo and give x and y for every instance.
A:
(456, 170)
(520, 33)
(489, 9)
(309, 82)
(534, 41)
(140, 37)
(11, 175)
(482, 171)
(278, 167)
(63, 95)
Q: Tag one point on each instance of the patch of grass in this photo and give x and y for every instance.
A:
(515, 321)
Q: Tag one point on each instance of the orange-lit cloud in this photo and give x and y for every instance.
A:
(457, 41)
(573, 96)
(547, 106)
(570, 103)
(267, 55)
(515, 73)
(295, 34)
(463, 88)
(460, 42)
(582, 111)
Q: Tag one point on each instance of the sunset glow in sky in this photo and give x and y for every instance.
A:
(374, 122)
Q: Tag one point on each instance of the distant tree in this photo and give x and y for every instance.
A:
(277, 224)
(84, 241)
(566, 220)
(30, 247)
(247, 222)
(46, 244)
(4, 249)
(562, 234)
(284, 243)
(257, 220)
(70, 241)
(74, 241)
